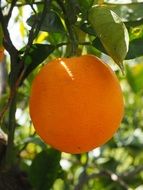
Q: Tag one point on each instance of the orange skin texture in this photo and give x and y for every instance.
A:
(76, 104)
(1, 54)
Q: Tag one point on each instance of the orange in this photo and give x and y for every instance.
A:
(76, 104)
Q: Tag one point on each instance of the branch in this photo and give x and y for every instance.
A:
(32, 35)
(13, 3)
(9, 161)
(7, 41)
(133, 172)
(84, 178)
(26, 3)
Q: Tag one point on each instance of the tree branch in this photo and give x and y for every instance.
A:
(32, 35)
(133, 172)
(7, 41)
(13, 3)
(84, 178)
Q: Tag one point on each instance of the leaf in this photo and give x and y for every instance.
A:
(38, 53)
(98, 45)
(45, 169)
(36, 141)
(84, 6)
(42, 36)
(22, 29)
(135, 48)
(130, 13)
(51, 22)
(111, 31)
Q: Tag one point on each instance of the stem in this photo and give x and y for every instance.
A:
(16, 78)
(11, 128)
(13, 77)
(71, 34)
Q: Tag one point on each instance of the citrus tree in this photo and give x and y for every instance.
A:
(73, 54)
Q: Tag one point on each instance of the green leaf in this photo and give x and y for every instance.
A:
(45, 169)
(98, 45)
(111, 31)
(51, 22)
(130, 13)
(135, 77)
(37, 54)
(84, 6)
(135, 48)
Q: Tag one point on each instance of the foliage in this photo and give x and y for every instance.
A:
(61, 29)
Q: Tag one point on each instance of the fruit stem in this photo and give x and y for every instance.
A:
(69, 26)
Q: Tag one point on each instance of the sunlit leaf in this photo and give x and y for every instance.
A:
(22, 29)
(111, 31)
(41, 37)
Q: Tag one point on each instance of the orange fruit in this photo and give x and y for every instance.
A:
(76, 104)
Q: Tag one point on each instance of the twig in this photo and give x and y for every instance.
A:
(84, 178)
(32, 7)
(32, 35)
(10, 48)
(13, 3)
(5, 107)
(133, 172)
(35, 29)
(7, 41)
(27, 3)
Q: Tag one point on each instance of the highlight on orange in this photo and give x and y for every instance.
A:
(76, 104)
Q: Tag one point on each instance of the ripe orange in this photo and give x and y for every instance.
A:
(76, 104)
